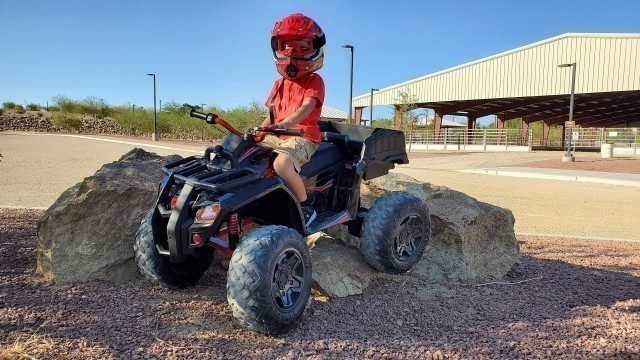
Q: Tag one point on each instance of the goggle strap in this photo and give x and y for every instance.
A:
(319, 42)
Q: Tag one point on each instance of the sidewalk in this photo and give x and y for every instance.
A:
(564, 175)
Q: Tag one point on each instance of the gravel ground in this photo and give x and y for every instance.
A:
(567, 299)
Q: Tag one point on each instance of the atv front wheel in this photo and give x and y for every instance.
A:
(158, 268)
(269, 280)
(395, 232)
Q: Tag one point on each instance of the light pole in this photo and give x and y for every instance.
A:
(202, 106)
(568, 155)
(350, 47)
(371, 107)
(154, 137)
(160, 107)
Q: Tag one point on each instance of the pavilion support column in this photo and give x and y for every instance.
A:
(524, 130)
(437, 123)
(471, 124)
(397, 118)
(499, 126)
(358, 116)
(546, 125)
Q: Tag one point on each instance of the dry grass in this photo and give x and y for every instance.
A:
(25, 346)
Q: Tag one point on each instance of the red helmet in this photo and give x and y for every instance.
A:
(298, 46)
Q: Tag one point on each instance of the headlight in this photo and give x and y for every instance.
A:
(207, 214)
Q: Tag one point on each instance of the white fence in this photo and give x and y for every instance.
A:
(470, 140)
(625, 140)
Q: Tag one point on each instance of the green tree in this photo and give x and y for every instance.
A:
(9, 105)
(406, 119)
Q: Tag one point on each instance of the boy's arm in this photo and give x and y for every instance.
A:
(303, 111)
(266, 122)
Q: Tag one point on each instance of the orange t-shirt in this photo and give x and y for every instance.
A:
(289, 97)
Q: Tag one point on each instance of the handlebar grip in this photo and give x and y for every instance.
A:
(295, 132)
(197, 114)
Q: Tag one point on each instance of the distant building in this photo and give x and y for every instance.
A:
(428, 120)
(532, 83)
(329, 113)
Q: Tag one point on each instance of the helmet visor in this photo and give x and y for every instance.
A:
(300, 48)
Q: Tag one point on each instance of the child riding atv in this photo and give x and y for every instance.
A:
(295, 101)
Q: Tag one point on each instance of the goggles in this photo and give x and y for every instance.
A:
(300, 48)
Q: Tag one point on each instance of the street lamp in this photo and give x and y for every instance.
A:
(202, 106)
(371, 107)
(568, 155)
(154, 137)
(350, 47)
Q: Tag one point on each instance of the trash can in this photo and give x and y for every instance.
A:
(606, 151)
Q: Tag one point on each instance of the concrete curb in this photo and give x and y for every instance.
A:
(121, 142)
(562, 175)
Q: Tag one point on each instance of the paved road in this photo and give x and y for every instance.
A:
(37, 168)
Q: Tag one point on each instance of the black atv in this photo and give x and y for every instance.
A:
(204, 203)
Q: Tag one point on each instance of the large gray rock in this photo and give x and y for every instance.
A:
(339, 270)
(470, 239)
(88, 233)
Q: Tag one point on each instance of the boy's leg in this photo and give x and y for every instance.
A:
(292, 154)
(285, 169)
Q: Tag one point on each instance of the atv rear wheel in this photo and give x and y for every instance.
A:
(158, 268)
(395, 232)
(269, 280)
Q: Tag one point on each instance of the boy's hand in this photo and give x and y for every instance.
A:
(276, 126)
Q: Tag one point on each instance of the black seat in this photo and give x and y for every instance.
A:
(326, 155)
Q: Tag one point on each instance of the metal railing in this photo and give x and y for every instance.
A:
(468, 139)
(593, 138)
(626, 140)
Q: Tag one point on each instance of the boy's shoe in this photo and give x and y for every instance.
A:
(309, 214)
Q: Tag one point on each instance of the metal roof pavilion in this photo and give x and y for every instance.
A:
(527, 83)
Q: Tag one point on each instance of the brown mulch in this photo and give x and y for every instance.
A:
(629, 165)
(567, 299)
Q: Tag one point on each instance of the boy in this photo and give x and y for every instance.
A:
(295, 101)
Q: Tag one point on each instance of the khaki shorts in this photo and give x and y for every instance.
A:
(296, 149)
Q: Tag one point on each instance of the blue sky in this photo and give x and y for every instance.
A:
(218, 52)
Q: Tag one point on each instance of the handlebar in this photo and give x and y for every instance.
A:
(295, 132)
(213, 119)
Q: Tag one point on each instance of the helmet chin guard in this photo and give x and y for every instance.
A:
(291, 62)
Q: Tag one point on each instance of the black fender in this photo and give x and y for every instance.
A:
(268, 201)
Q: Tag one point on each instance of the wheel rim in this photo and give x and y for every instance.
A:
(288, 279)
(409, 238)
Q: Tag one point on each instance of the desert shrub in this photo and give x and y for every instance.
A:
(138, 121)
(246, 117)
(89, 106)
(33, 107)
(9, 105)
(67, 105)
(383, 123)
(1, 112)
(67, 121)
(19, 109)
(54, 108)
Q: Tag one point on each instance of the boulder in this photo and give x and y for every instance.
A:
(470, 239)
(88, 233)
(339, 270)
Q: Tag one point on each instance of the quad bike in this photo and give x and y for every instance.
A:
(204, 202)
